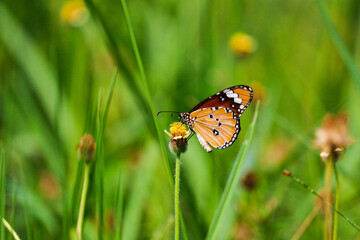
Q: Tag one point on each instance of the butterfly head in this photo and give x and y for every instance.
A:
(186, 118)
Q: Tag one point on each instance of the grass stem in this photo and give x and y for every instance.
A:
(11, 230)
(83, 202)
(337, 189)
(328, 211)
(299, 181)
(149, 99)
(2, 191)
(305, 224)
(177, 193)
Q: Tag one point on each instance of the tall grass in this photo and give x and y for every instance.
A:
(58, 83)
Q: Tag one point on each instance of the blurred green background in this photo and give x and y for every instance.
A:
(57, 60)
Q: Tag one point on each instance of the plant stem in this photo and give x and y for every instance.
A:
(83, 202)
(11, 230)
(2, 191)
(305, 224)
(177, 191)
(328, 210)
(337, 184)
(299, 181)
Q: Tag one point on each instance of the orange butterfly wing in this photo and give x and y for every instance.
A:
(236, 98)
(219, 127)
(216, 120)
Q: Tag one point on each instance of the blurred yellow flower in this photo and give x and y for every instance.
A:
(178, 134)
(242, 44)
(74, 13)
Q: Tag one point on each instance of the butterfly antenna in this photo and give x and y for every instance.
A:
(172, 112)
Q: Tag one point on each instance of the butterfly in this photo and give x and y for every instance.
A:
(216, 120)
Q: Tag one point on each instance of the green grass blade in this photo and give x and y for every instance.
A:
(339, 43)
(140, 193)
(25, 202)
(296, 133)
(120, 58)
(232, 180)
(119, 202)
(99, 160)
(2, 192)
(13, 203)
(10, 229)
(145, 85)
(31, 59)
(75, 196)
(100, 192)
(150, 104)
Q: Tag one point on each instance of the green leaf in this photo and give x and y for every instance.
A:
(232, 180)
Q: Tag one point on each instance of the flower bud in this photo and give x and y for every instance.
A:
(86, 148)
(178, 135)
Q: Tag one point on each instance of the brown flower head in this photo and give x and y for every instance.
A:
(178, 134)
(333, 136)
(250, 181)
(86, 148)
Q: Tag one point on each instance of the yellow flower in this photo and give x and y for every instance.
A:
(178, 134)
(333, 136)
(74, 13)
(242, 44)
(86, 148)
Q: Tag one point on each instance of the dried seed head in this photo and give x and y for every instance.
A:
(333, 136)
(178, 134)
(250, 181)
(86, 148)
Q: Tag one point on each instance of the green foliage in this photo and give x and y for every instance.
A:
(57, 82)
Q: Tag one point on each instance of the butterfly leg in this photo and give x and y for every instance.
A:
(192, 134)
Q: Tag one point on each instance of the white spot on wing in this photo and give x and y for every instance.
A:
(231, 94)
(238, 100)
(242, 106)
